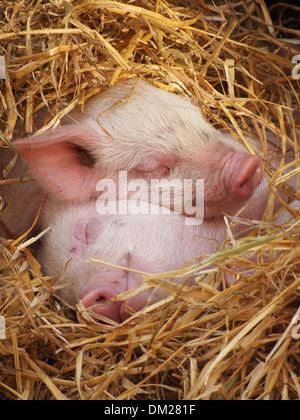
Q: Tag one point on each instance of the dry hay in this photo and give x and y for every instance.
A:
(201, 343)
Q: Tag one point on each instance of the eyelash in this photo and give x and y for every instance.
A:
(158, 173)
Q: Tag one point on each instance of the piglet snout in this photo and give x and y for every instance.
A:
(246, 175)
(98, 299)
(99, 293)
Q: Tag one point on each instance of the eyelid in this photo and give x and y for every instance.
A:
(152, 164)
(157, 173)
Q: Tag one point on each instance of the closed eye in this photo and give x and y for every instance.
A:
(156, 167)
(158, 173)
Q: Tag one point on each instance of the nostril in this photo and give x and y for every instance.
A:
(98, 296)
(244, 184)
(101, 299)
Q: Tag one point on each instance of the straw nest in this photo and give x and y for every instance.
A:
(235, 59)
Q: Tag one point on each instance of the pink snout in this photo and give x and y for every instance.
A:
(103, 288)
(99, 298)
(246, 175)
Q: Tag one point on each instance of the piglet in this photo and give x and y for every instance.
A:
(149, 134)
(148, 243)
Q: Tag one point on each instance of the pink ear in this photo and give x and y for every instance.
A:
(56, 158)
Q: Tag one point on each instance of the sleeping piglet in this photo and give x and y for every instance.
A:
(148, 243)
(149, 135)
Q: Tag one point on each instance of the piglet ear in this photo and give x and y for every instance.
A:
(62, 160)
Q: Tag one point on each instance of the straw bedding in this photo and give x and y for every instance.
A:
(235, 59)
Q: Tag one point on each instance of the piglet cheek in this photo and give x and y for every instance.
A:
(85, 234)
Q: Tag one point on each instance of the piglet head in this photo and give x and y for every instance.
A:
(114, 239)
(151, 135)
